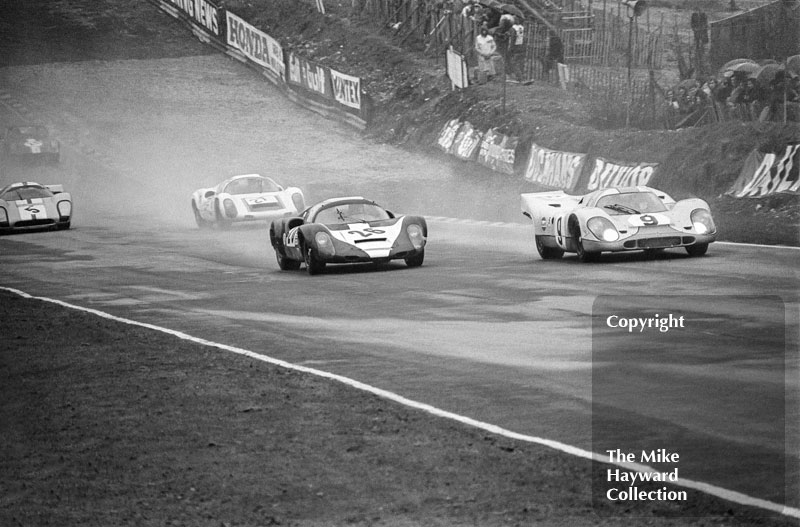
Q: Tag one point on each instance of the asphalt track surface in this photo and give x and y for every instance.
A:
(484, 329)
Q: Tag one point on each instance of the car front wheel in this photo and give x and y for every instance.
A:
(313, 264)
(698, 249)
(416, 260)
(583, 255)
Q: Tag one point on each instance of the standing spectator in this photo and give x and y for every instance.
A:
(516, 50)
(555, 54)
(502, 34)
(699, 23)
(485, 47)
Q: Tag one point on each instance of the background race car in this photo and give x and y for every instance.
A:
(30, 142)
(245, 198)
(28, 205)
(347, 230)
(617, 219)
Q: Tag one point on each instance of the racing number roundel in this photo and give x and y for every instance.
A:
(648, 219)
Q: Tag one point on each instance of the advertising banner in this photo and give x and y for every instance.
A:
(312, 77)
(498, 151)
(467, 142)
(255, 44)
(607, 174)
(764, 174)
(346, 89)
(553, 168)
(448, 135)
(202, 12)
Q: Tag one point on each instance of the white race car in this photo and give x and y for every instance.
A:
(28, 205)
(249, 197)
(617, 219)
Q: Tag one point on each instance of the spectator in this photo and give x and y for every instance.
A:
(502, 33)
(472, 10)
(485, 47)
(555, 54)
(516, 50)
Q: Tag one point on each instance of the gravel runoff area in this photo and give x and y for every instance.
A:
(106, 423)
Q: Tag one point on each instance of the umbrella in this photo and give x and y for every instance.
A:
(728, 66)
(793, 64)
(765, 73)
(512, 10)
(746, 68)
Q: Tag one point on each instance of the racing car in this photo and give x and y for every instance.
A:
(245, 198)
(30, 142)
(347, 230)
(617, 219)
(29, 205)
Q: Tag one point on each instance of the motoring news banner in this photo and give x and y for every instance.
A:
(689, 388)
(201, 12)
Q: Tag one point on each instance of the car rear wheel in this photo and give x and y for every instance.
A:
(286, 264)
(416, 260)
(698, 249)
(547, 253)
(313, 264)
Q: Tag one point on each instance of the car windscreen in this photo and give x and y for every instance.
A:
(29, 131)
(255, 185)
(631, 203)
(356, 212)
(20, 193)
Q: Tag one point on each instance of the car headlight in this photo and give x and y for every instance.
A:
(702, 221)
(324, 243)
(416, 235)
(230, 208)
(299, 202)
(64, 209)
(603, 229)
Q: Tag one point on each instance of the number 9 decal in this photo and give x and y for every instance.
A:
(647, 219)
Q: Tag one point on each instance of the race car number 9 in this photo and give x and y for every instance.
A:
(647, 219)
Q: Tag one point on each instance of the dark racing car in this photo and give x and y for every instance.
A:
(32, 142)
(347, 230)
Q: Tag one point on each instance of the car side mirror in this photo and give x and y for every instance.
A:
(209, 193)
(390, 213)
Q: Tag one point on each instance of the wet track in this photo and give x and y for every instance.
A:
(485, 328)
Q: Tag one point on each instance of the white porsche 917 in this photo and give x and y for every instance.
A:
(617, 219)
(244, 198)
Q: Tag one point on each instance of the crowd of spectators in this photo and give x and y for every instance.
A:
(735, 95)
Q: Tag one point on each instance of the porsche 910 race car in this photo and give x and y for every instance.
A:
(617, 219)
(30, 142)
(347, 230)
(28, 205)
(249, 197)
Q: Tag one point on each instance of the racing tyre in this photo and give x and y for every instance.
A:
(201, 223)
(416, 260)
(286, 264)
(222, 222)
(547, 253)
(313, 264)
(698, 249)
(63, 226)
(583, 255)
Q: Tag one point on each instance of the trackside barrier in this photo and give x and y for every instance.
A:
(550, 168)
(318, 88)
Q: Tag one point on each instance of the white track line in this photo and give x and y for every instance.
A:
(713, 490)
